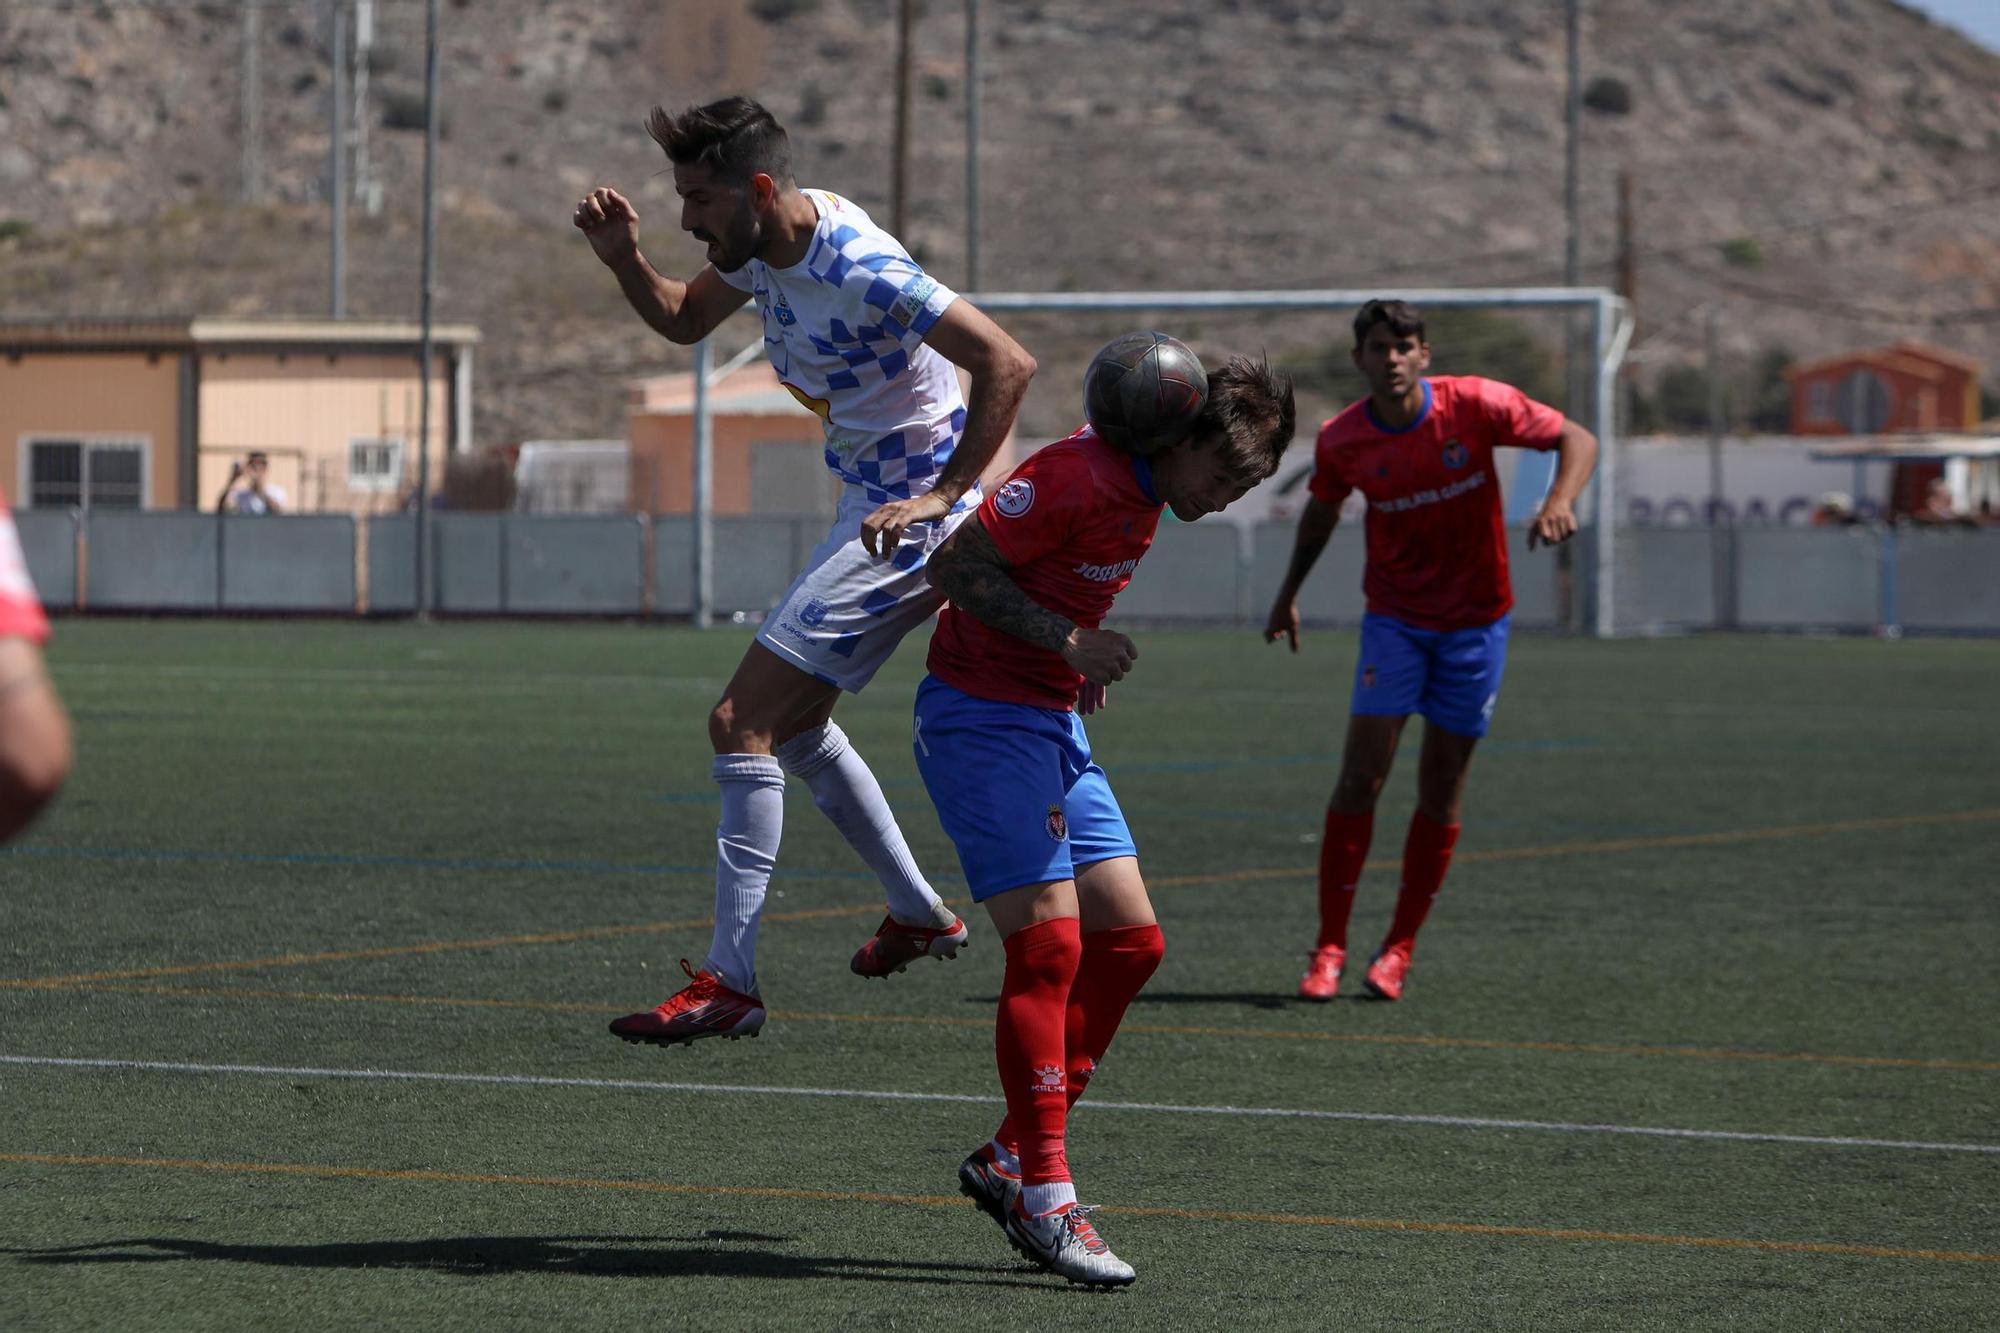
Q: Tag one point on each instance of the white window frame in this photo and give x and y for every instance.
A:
(24, 449)
(390, 483)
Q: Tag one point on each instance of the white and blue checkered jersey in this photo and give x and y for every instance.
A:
(844, 329)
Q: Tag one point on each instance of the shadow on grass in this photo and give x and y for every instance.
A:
(713, 1254)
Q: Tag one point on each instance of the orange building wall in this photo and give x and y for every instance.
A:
(1922, 395)
(316, 404)
(663, 457)
(69, 395)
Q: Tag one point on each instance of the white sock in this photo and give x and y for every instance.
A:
(1041, 1200)
(746, 849)
(847, 793)
(1004, 1159)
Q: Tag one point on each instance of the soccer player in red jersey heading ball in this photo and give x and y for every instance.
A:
(1016, 656)
(1434, 640)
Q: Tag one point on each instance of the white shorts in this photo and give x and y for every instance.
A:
(843, 617)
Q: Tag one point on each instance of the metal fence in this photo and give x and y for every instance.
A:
(1212, 572)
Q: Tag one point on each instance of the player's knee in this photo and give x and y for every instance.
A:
(1356, 791)
(32, 774)
(727, 731)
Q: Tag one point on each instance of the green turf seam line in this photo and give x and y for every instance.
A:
(979, 1099)
(1127, 1029)
(1832, 1248)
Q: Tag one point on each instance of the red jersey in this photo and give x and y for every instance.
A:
(1072, 523)
(20, 607)
(1437, 545)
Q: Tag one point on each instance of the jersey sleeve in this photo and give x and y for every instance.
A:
(1038, 509)
(882, 287)
(1326, 485)
(1517, 419)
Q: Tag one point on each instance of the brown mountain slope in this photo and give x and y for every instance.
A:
(1825, 168)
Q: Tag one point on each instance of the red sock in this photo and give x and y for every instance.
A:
(1116, 964)
(1342, 850)
(1426, 856)
(1042, 962)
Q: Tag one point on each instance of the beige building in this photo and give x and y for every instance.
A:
(150, 414)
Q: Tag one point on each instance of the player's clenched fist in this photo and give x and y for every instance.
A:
(1100, 656)
(608, 220)
(1283, 624)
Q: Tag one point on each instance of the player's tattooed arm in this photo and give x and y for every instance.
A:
(970, 570)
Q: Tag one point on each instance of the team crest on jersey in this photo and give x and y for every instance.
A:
(781, 310)
(1454, 454)
(1057, 826)
(1016, 498)
(813, 614)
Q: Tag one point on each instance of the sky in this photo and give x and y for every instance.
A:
(1979, 18)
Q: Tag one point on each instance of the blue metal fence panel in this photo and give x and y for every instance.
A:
(576, 564)
(1191, 573)
(299, 562)
(1808, 578)
(152, 561)
(48, 544)
(1947, 579)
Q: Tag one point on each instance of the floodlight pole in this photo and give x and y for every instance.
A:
(972, 145)
(337, 163)
(704, 489)
(429, 291)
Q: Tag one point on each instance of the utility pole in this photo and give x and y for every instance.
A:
(252, 184)
(972, 145)
(1573, 145)
(366, 189)
(429, 287)
(336, 200)
(1721, 523)
(899, 192)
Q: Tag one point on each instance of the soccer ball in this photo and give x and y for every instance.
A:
(1143, 392)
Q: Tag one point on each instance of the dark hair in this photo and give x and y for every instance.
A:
(735, 138)
(1249, 414)
(1402, 318)
(258, 456)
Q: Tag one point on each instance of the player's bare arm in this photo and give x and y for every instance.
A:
(1316, 527)
(970, 570)
(1000, 370)
(681, 312)
(1555, 522)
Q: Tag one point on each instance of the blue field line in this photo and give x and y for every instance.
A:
(387, 862)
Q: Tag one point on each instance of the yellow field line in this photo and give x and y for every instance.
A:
(1613, 845)
(404, 950)
(1171, 881)
(943, 1201)
(1153, 1029)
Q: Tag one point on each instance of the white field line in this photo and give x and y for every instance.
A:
(868, 1094)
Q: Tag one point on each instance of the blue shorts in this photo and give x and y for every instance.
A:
(1014, 789)
(1452, 677)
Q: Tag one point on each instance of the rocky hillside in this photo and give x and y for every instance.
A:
(1823, 168)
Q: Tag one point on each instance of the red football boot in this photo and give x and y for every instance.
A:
(1322, 978)
(895, 946)
(706, 1008)
(1387, 973)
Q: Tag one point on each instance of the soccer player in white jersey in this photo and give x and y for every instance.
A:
(862, 336)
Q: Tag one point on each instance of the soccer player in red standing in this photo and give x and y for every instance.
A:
(1016, 656)
(1434, 639)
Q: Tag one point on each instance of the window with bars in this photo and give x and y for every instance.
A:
(86, 474)
(374, 465)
